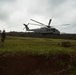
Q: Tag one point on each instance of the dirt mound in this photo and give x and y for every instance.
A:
(29, 64)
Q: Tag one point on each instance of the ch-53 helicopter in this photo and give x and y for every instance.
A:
(47, 29)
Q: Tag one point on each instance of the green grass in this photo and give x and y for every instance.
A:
(39, 46)
(36, 45)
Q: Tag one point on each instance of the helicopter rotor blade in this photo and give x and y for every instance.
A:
(37, 22)
(25, 24)
(62, 25)
(23, 28)
(65, 24)
(49, 22)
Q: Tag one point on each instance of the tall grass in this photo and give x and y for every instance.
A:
(36, 45)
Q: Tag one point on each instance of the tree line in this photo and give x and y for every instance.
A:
(24, 34)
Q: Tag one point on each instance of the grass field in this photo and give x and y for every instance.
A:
(47, 56)
(36, 45)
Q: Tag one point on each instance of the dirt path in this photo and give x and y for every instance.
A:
(28, 64)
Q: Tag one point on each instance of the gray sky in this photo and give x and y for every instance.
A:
(13, 13)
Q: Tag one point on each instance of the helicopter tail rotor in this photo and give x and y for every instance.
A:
(26, 26)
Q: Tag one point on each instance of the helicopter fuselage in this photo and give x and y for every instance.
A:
(45, 30)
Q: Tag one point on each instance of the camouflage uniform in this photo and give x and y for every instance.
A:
(3, 36)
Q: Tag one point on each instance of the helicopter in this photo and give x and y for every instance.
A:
(47, 29)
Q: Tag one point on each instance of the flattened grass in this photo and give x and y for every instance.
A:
(36, 45)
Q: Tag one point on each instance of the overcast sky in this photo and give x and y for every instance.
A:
(13, 13)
